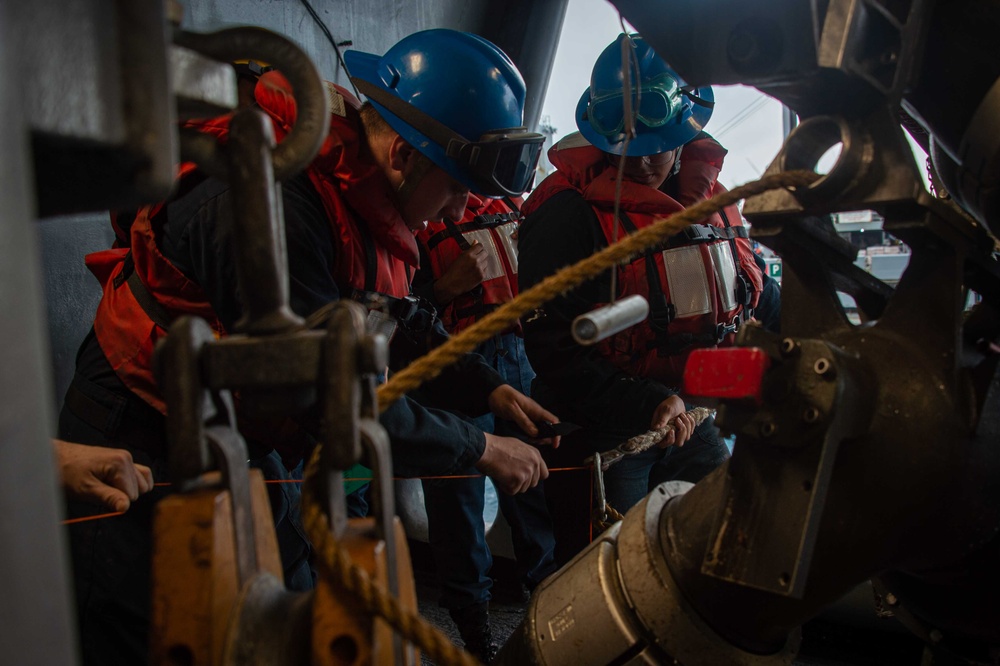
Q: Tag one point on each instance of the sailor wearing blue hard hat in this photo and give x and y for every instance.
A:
(622, 172)
(666, 112)
(459, 100)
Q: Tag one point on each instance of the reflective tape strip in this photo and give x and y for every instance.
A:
(725, 274)
(687, 282)
(494, 267)
(506, 233)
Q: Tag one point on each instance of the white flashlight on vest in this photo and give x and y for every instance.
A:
(605, 321)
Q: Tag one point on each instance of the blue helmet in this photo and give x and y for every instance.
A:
(459, 100)
(666, 112)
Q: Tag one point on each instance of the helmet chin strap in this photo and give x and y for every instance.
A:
(410, 183)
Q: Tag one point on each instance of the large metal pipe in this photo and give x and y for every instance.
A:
(883, 511)
(528, 31)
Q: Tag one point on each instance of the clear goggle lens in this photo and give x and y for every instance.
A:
(657, 103)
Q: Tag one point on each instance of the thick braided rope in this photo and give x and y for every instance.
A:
(375, 599)
(430, 366)
(631, 447)
(355, 580)
(646, 440)
(613, 517)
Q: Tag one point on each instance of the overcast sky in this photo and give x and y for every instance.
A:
(745, 121)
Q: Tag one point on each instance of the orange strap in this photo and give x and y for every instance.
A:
(83, 519)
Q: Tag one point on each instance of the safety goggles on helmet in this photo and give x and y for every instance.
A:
(499, 163)
(659, 101)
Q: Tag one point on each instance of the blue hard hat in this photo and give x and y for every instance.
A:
(459, 100)
(666, 112)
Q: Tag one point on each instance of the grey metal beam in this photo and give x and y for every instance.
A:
(528, 31)
(35, 625)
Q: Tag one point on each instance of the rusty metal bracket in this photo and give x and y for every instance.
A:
(177, 361)
(261, 262)
(231, 453)
(351, 430)
(271, 626)
(375, 440)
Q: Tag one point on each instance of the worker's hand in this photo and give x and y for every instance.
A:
(513, 465)
(508, 403)
(465, 274)
(98, 474)
(673, 408)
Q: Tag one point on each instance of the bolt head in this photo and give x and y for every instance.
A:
(811, 415)
(823, 367)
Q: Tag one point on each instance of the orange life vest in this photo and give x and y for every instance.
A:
(700, 285)
(493, 223)
(144, 292)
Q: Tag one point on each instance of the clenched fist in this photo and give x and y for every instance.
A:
(465, 274)
(513, 465)
(673, 408)
(101, 475)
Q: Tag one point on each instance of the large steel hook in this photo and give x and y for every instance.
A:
(312, 121)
